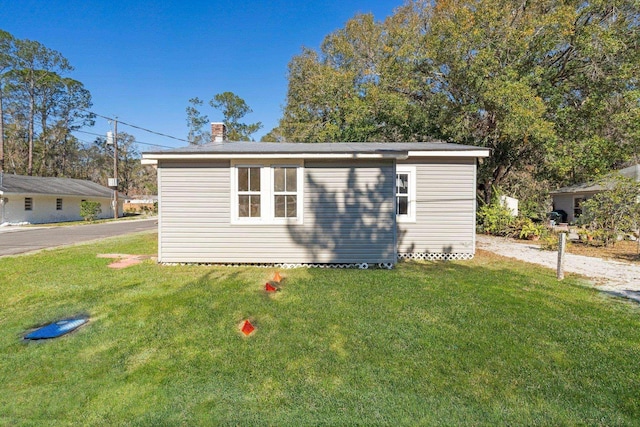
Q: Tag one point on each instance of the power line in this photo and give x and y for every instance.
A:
(89, 133)
(137, 127)
(135, 141)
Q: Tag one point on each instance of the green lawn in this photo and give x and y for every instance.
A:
(482, 342)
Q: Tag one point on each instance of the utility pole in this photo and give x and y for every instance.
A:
(112, 139)
(115, 168)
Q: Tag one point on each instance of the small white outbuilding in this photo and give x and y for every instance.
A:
(510, 203)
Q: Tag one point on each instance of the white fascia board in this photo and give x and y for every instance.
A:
(149, 158)
(152, 159)
(468, 153)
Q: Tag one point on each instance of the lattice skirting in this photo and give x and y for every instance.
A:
(435, 256)
(361, 266)
(423, 256)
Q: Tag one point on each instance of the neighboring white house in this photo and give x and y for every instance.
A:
(320, 203)
(37, 200)
(569, 199)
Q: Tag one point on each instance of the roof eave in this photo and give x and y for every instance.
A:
(152, 158)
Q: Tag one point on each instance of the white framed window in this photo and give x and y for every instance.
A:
(266, 193)
(28, 204)
(405, 191)
(249, 192)
(285, 191)
(58, 204)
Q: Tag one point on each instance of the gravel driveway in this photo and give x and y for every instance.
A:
(614, 277)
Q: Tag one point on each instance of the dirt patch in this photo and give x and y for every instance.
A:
(124, 260)
(626, 251)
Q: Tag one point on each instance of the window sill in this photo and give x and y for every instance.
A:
(265, 222)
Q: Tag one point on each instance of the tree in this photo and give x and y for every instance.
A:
(62, 106)
(344, 92)
(274, 135)
(551, 87)
(90, 210)
(7, 56)
(133, 177)
(196, 121)
(615, 210)
(42, 106)
(233, 109)
(37, 68)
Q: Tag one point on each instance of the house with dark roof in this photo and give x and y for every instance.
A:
(569, 199)
(37, 200)
(315, 203)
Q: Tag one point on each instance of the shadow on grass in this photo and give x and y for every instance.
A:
(480, 342)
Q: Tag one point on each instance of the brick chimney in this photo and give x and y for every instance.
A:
(218, 132)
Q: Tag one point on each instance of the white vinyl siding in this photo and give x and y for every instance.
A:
(348, 216)
(445, 207)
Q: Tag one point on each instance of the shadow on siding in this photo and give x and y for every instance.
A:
(351, 222)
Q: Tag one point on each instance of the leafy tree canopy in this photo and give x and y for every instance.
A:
(39, 107)
(551, 87)
(233, 109)
(196, 122)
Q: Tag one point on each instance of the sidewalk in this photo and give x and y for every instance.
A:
(614, 277)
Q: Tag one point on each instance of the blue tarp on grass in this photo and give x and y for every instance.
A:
(56, 329)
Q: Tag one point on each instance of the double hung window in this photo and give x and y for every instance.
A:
(266, 193)
(402, 194)
(249, 192)
(405, 190)
(285, 192)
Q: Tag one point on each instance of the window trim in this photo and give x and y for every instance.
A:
(297, 193)
(411, 212)
(577, 209)
(267, 192)
(249, 193)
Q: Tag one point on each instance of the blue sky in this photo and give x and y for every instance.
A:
(142, 61)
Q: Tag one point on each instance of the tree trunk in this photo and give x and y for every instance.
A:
(31, 132)
(1, 134)
(32, 117)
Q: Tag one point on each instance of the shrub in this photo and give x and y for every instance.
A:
(529, 230)
(549, 242)
(90, 210)
(494, 219)
(614, 211)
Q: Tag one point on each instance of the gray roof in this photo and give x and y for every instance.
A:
(632, 172)
(19, 184)
(228, 147)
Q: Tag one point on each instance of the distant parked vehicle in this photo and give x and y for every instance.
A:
(558, 216)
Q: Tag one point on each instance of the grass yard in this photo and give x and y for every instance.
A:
(482, 342)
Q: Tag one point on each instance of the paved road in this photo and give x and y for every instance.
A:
(17, 240)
